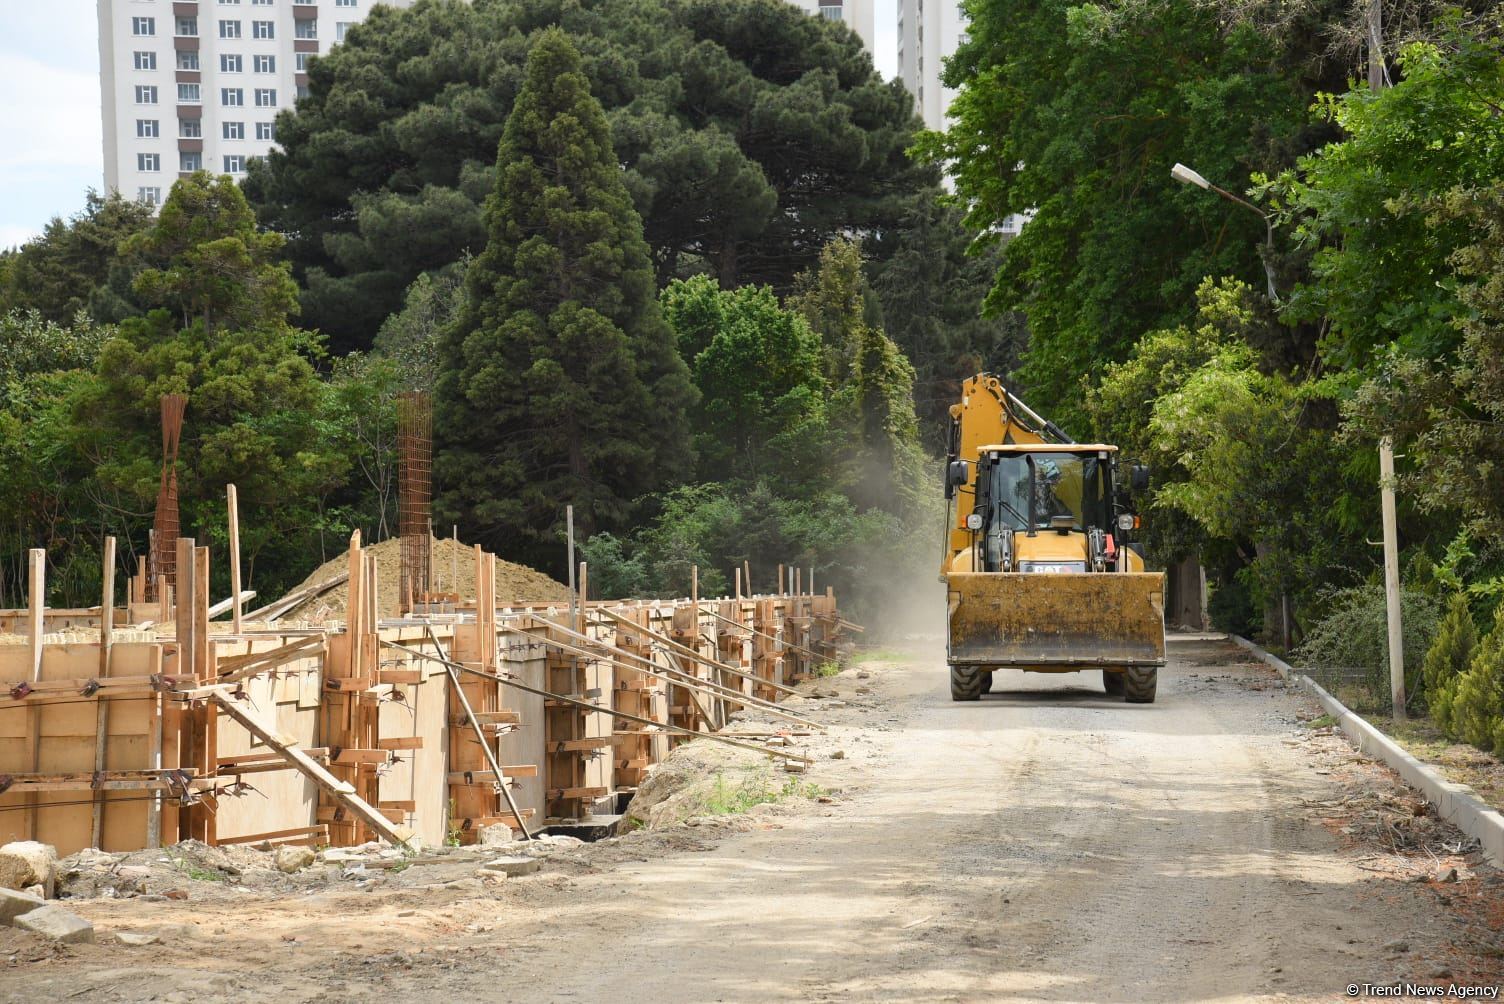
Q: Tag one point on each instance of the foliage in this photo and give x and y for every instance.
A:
(1448, 658)
(560, 383)
(930, 283)
(880, 462)
(750, 133)
(413, 336)
(1076, 114)
(758, 368)
(1477, 706)
(77, 265)
(1353, 634)
(1367, 206)
(254, 400)
(35, 345)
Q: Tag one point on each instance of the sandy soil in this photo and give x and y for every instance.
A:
(1046, 843)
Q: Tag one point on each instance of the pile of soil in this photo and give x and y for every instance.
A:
(453, 572)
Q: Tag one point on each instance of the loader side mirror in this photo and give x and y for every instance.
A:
(957, 475)
(1138, 477)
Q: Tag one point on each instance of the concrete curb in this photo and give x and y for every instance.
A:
(1456, 803)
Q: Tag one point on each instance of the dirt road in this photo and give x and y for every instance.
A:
(1047, 843)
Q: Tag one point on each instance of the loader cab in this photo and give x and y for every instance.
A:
(1049, 508)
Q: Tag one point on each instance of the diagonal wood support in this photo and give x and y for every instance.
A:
(341, 791)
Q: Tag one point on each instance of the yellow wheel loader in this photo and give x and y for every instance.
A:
(1040, 565)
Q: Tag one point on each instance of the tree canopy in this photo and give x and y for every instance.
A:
(750, 132)
(560, 383)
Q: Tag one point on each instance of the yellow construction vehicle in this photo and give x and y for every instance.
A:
(1040, 565)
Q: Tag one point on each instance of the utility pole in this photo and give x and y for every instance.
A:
(1377, 82)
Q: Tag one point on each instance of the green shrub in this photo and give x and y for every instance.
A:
(1448, 658)
(1354, 634)
(1232, 609)
(1478, 705)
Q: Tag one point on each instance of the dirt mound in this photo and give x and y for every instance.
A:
(453, 572)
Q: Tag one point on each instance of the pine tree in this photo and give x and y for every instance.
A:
(1449, 657)
(560, 383)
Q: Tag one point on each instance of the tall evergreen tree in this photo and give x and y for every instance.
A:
(560, 383)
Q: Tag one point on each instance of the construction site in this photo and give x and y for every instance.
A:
(426, 772)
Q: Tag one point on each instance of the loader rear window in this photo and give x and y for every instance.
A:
(1065, 484)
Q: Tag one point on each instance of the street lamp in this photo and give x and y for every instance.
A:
(1186, 176)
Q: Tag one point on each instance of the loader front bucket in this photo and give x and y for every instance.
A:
(1056, 621)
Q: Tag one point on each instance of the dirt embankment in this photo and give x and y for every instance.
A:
(453, 572)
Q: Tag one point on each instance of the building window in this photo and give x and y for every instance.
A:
(187, 59)
(148, 128)
(234, 163)
(186, 27)
(231, 97)
(229, 29)
(307, 29)
(188, 94)
(344, 3)
(231, 63)
(265, 64)
(340, 28)
(191, 128)
(303, 91)
(266, 97)
(190, 162)
(831, 9)
(146, 60)
(266, 131)
(143, 26)
(145, 94)
(233, 130)
(263, 29)
(150, 196)
(148, 162)
(230, 3)
(261, 3)
(303, 61)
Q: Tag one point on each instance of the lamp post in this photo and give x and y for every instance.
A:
(1186, 176)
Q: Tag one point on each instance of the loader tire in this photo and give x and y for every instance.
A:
(1139, 684)
(965, 683)
(987, 682)
(1113, 683)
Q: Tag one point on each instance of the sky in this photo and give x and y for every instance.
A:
(49, 74)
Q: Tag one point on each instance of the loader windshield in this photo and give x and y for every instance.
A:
(1064, 484)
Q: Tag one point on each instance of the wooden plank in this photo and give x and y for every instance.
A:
(588, 743)
(406, 805)
(36, 602)
(239, 667)
(350, 757)
(394, 676)
(102, 714)
(297, 831)
(235, 597)
(342, 791)
(401, 743)
(508, 771)
(489, 718)
(291, 601)
(591, 792)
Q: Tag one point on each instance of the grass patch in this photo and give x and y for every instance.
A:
(732, 795)
(1322, 722)
(827, 669)
(198, 874)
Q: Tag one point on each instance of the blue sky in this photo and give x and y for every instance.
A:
(49, 74)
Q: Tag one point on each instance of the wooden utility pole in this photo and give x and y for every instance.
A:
(1392, 578)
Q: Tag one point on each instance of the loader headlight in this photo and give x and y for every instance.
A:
(1052, 566)
(974, 521)
(1126, 521)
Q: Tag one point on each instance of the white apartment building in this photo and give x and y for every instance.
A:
(859, 14)
(929, 31)
(197, 84)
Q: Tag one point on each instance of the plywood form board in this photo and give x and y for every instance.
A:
(66, 744)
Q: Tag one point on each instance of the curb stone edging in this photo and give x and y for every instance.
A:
(1456, 803)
